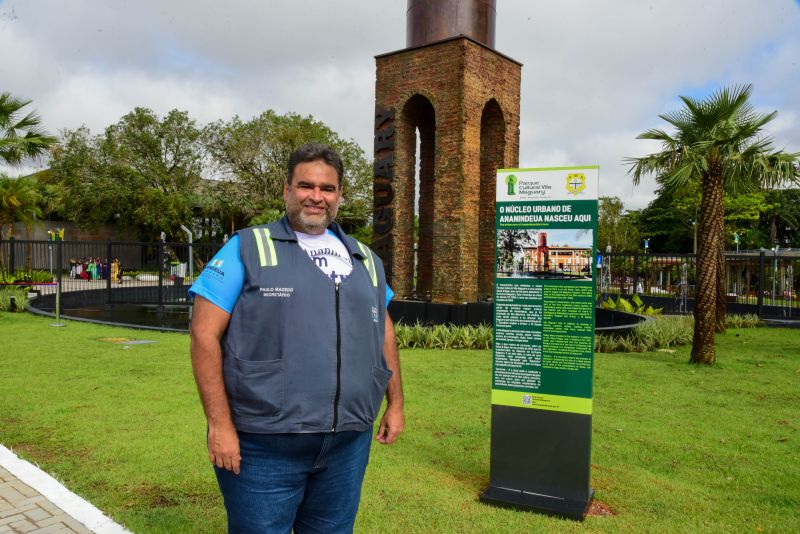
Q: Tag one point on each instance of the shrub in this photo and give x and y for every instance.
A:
(657, 333)
(749, 320)
(443, 336)
(35, 275)
(663, 333)
(39, 275)
(19, 296)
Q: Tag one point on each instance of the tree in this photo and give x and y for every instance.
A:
(742, 215)
(670, 219)
(21, 135)
(782, 217)
(143, 172)
(509, 243)
(19, 201)
(252, 157)
(616, 227)
(718, 143)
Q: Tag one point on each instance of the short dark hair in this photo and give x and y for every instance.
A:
(315, 152)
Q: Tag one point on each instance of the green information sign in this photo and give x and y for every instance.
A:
(544, 305)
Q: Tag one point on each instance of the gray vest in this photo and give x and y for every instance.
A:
(301, 354)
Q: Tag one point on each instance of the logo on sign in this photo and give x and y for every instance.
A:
(511, 181)
(576, 183)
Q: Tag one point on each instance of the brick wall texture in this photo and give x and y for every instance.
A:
(464, 99)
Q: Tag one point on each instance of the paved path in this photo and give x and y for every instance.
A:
(33, 502)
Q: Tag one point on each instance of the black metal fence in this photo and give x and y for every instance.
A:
(92, 272)
(763, 282)
(108, 272)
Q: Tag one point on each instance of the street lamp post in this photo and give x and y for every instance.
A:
(775, 269)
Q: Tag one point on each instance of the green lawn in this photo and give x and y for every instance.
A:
(676, 448)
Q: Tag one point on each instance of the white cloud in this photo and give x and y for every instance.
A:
(596, 72)
(113, 95)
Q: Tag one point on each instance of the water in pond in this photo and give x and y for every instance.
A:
(170, 316)
(176, 316)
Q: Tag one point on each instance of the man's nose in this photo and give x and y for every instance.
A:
(316, 194)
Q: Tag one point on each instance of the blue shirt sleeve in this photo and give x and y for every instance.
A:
(389, 294)
(222, 280)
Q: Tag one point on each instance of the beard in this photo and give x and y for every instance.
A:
(310, 224)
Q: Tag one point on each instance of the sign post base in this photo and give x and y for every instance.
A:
(546, 504)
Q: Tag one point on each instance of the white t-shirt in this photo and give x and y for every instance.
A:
(328, 252)
(222, 280)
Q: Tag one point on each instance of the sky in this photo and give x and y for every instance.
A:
(596, 73)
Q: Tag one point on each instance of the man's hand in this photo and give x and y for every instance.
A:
(223, 448)
(391, 426)
(392, 422)
(208, 326)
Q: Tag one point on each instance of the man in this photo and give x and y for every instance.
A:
(292, 351)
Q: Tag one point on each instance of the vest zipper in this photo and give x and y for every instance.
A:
(338, 364)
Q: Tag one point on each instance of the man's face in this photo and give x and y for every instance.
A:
(313, 197)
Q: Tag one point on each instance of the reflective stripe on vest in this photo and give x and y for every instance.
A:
(369, 263)
(266, 249)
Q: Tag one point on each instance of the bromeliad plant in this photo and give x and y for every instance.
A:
(443, 336)
(635, 305)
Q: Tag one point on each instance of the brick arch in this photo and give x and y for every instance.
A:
(457, 77)
(493, 136)
(417, 114)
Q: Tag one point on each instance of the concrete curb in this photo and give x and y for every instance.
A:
(55, 492)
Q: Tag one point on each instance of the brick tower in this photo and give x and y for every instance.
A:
(453, 97)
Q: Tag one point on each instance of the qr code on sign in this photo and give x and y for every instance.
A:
(527, 400)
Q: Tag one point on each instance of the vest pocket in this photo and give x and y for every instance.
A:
(257, 387)
(380, 378)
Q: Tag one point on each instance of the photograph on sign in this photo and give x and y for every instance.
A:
(564, 254)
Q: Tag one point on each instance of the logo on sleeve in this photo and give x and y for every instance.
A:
(374, 314)
(214, 269)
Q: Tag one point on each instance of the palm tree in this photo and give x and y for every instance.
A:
(19, 201)
(718, 142)
(21, 136)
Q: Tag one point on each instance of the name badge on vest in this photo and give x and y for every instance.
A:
(279, 292)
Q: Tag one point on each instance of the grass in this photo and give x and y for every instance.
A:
(676, 448)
